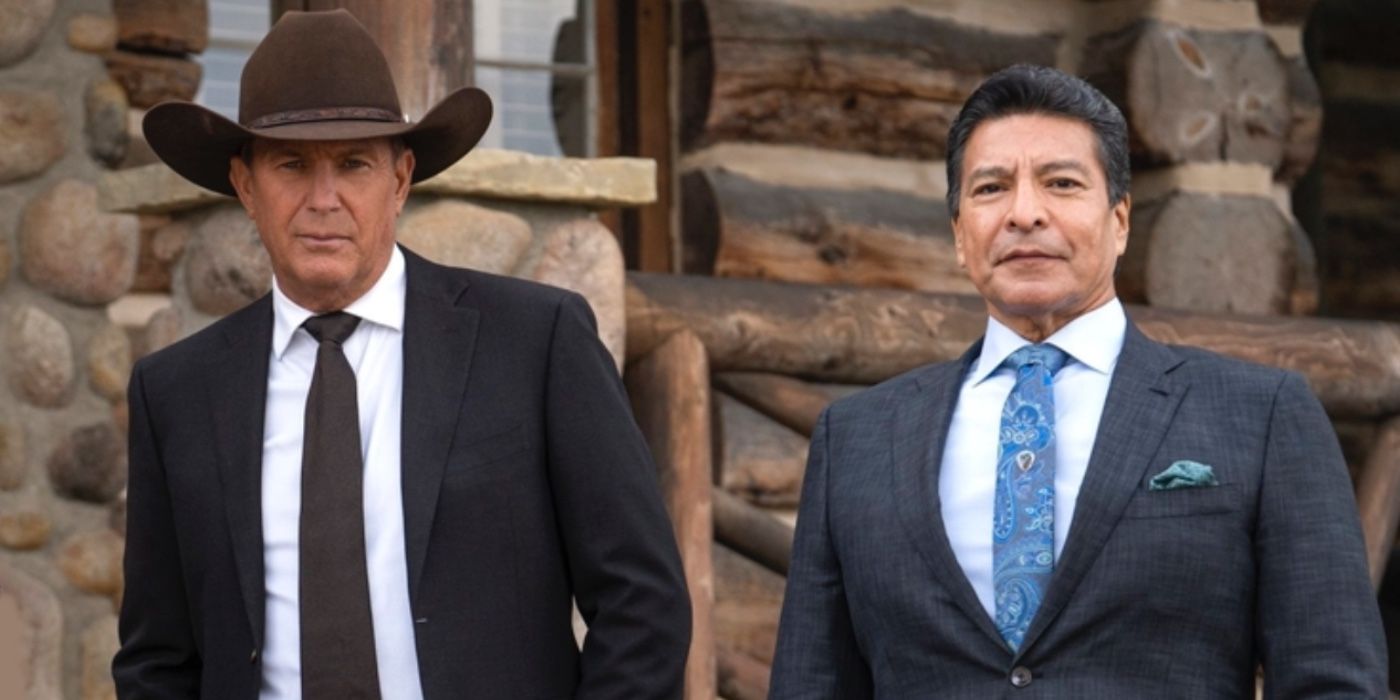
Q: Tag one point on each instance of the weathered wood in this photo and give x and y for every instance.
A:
(748, 603)
(1218, 253)
(428, 43)
(888, 81)
(652, 133)
(752, 532)
(1285, 11)
(862, 336)
(1193, 94)
(741, 677)
(761, 460)
(792, 402)
(1304, 124)
(670, 397)
(169, 26)
(1378, 498)
(738, 227)
(150, 79)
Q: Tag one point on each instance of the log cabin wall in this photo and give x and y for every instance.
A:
(813, 137)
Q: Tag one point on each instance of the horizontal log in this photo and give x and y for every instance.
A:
(150, 79)
(1285, 11)
(734, 226)
(1194, 94)
(792, 402)
(1305, 121)
(863, 336)
(752, 532)
(887, 82)
(1218, 253)
(760, 459)
(741, 677)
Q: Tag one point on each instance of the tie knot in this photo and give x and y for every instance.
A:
(334, 327)
(1045, 354)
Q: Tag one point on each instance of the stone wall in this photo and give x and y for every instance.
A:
(100, 266)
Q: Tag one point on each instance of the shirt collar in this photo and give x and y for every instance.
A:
(381, 305)
(1094, 340)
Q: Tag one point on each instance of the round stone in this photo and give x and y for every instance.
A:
(5, 262)
(73, 251)
(24, 528)
(12, 462)
(90, 465)
(459, 234)
(163, 329)
(31, 622)
(92, 561)
(31, 132)
(40, 358)
(100, 644)
(109, 362)
(105, 126)
(583, 255)
(22, 25)
(226, 266)
(117, 518)
(92, 33)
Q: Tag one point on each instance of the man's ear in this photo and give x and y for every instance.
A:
(1122, 215)
(403, 173)
(241, 177)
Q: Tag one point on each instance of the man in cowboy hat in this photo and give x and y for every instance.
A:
(386, 478)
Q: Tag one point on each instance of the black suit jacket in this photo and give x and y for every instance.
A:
(525, 480)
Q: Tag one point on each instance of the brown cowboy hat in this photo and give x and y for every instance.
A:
(316, 76)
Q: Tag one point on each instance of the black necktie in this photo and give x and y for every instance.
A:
(337, 629)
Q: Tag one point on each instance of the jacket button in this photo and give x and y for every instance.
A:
(253, 657)
(1021, 676)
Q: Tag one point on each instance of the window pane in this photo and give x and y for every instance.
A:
(529, 30)
(526, 113)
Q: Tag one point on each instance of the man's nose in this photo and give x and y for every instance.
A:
(325, 189)
(1027, 208)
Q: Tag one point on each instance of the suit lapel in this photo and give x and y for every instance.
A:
(238, 397)
(921, 420)
(1141, 402)
(439, 339)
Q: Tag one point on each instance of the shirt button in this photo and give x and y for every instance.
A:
(1021, 676)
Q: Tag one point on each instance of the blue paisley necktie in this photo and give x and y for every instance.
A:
(1023, 528)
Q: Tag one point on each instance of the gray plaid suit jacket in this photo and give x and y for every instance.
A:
(1157, 594)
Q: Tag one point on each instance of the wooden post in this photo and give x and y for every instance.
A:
(428, 43)
(671, 401)
(655, 133)
(1378, 497)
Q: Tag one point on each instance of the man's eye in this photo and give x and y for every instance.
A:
(1064, 183)
(987, 188)
(355, 164)
(289, 165)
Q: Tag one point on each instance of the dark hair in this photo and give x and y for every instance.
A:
(1026, 89)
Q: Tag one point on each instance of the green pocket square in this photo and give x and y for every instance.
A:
(1183, 474)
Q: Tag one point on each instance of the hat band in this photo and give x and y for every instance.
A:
(297, 116)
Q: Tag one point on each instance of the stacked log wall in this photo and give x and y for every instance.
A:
(788, 106)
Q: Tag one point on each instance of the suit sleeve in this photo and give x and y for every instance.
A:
(158, 657)
(625, 568)
(1317, 625)
(817, 656)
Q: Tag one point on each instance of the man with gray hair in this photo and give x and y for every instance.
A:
(1072, 510)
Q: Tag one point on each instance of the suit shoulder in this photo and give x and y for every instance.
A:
(493, 292)
(193, 350)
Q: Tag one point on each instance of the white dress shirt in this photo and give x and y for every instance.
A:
(375, 352)
(967, 479)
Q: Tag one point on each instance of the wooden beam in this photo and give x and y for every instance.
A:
(655, 137)
(670, 396)
(752, 532)
(741, 677)
(607, 60)
(428, 43)
(1378, 498)
(852, 335)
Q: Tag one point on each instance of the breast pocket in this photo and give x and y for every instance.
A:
(491, 458)
(1183, 502)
